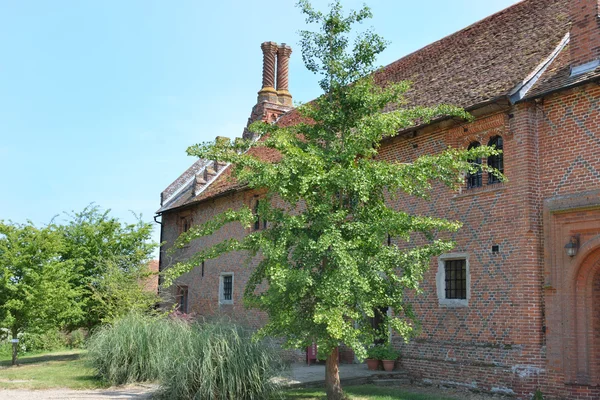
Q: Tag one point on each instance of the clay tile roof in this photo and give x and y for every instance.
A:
(485, 60)
(475, 65)
(558, 76)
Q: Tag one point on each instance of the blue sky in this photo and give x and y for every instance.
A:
(100, 99)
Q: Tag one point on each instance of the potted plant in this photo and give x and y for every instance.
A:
(388, 356)
(373, 357)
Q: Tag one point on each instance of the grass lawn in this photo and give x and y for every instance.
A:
(68, 369)
(49, 370)
(366, 392)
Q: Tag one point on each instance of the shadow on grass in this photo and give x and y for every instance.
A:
(25, 360)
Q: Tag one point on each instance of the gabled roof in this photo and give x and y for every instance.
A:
(558, 76)
(476, 65)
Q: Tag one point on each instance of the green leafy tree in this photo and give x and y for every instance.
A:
(324, 257)
(118, 292)
(103, 251)
(35, 287)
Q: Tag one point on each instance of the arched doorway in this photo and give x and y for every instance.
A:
(571, 296)
(596, 328)
(586, 323)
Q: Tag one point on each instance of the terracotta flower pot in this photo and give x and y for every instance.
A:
(372, 364)
(388, 365)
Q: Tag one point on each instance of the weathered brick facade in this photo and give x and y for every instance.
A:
(532, 314)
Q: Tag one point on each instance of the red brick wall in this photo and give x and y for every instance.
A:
(570, 141)
(499, 342)
(569, 169)
(150, 284)
(203, 291)
(496, 342)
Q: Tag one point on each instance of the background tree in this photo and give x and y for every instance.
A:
(35, 287)
(109, 258)
(118, 292)
(324, 255)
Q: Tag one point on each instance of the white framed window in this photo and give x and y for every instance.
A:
(226, 288)
(453, 280)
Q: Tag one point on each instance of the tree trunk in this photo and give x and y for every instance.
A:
(15, 347)
(333, 386)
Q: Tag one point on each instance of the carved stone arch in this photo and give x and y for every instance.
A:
(589, 247)
(572, 288)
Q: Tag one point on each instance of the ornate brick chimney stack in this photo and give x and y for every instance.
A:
(283, 61)
(268, 92)
(271, 102)
(584, 43)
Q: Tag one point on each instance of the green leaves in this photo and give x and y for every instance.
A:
(35, 287)
(324, 263)
(100, 248)
(89, 270)
(326, 52)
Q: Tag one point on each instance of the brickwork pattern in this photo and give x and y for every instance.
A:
(496, 340)
(203, 295)
(499, 342)
(585, 31)
(570, 141)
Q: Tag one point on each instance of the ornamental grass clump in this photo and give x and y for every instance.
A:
(133, 348)
(190, 360)
(220, 361)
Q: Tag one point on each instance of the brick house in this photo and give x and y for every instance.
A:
(516, 305)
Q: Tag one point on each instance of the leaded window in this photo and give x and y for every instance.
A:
(496, 162)
(257, 218)
(474, 178)
(227, 287)
(456, 279)
(258, 221)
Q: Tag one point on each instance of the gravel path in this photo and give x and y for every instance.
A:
(145, 392)
(130, 392)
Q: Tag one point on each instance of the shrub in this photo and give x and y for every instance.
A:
(76, 339)
(5, 349)
(220, 361)
(48, 340)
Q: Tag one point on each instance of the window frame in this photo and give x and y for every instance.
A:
(498, 160)
(476, 176)
(183, 294)
(258, 222)
(440, 279)
(185, 223)
(222, 276)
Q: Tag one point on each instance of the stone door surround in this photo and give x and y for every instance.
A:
(572, 348)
